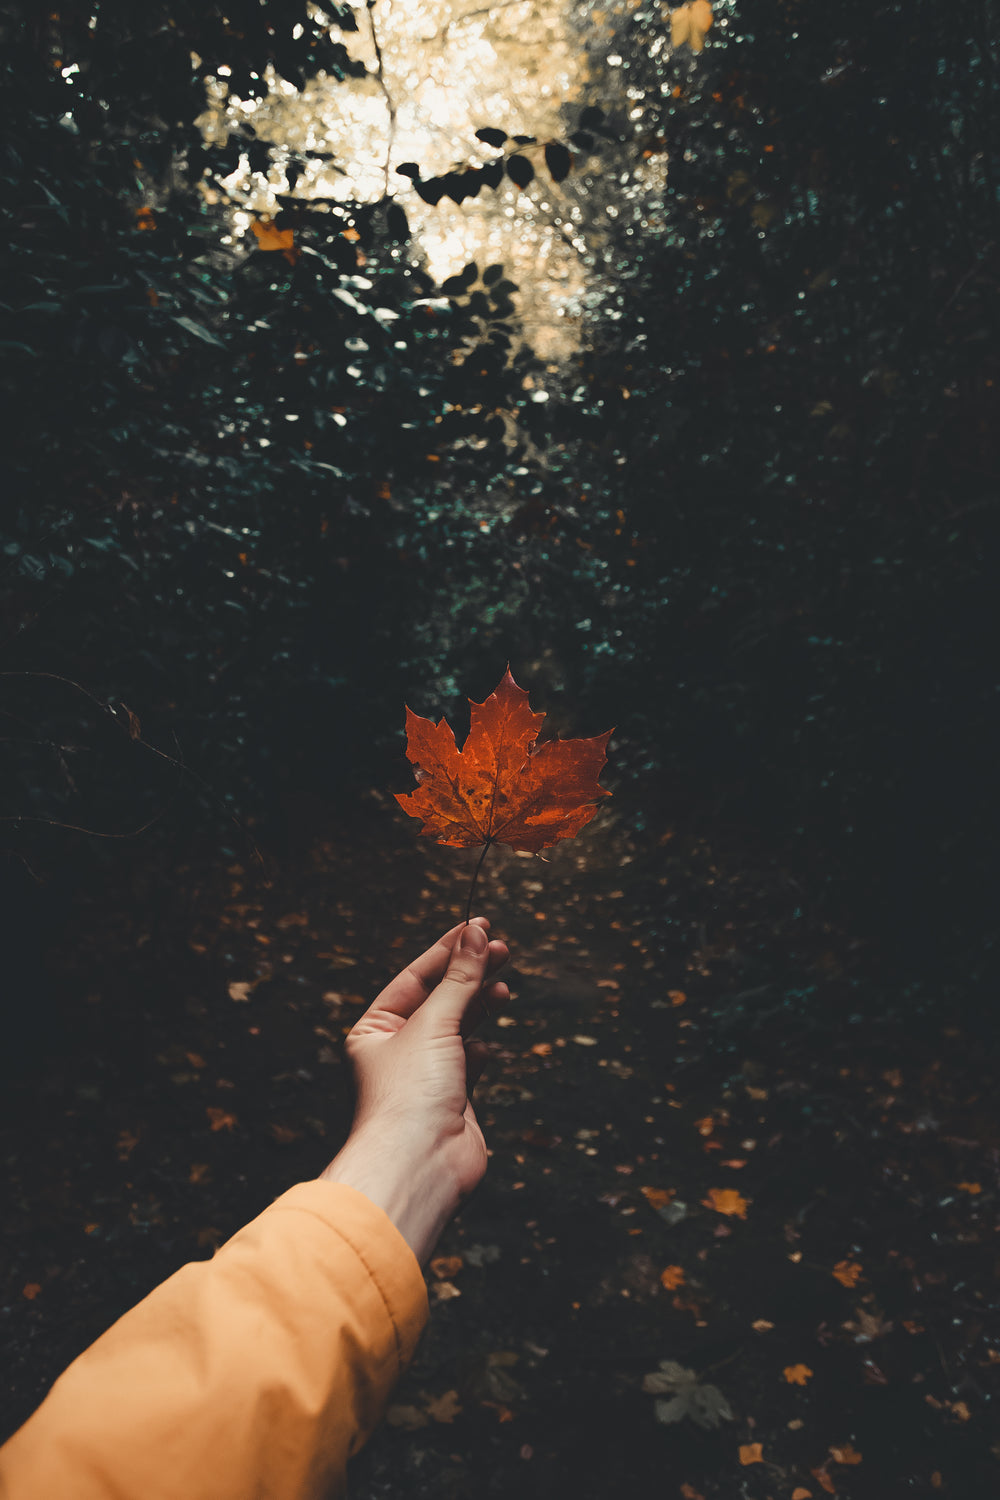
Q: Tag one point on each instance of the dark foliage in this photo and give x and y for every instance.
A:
(262, 492)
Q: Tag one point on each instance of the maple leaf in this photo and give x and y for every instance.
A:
(797, 1374)
(502, 787)
(867, 1326)
(672, 1277)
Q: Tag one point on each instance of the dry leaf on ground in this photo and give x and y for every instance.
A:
(704, 1404)
(847, 1272)
(727, 1201)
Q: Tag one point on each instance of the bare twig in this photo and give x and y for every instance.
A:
(127, 720)
(389, 101)
(96, 833)
(981, 258)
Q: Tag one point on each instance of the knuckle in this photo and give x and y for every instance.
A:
(463, 971)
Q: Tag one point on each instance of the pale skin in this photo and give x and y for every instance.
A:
(415, 1147)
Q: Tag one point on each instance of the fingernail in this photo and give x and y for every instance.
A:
(474, 939)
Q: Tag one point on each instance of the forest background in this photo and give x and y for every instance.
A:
(703, 439)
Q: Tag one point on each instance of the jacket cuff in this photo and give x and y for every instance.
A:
(378, 1245)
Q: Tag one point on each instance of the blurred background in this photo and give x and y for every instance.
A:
(350, 353)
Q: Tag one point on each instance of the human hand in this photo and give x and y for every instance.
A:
(415, 1147)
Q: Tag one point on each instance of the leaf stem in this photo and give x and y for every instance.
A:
(475, 877)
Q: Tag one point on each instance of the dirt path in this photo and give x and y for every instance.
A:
(712, 1142)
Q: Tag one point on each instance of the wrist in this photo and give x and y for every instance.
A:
(403, 1178)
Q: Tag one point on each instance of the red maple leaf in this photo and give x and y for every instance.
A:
(502, 787)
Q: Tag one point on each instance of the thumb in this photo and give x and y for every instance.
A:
(445, 1007)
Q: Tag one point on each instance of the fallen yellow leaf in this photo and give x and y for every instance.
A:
(672, 1277)
(444, 1408)
(443, 1267)
(727, 1201)
(847, 1272)
(658, 1197)
(797, 1374)
(409, 1418)
(845, 1454)
(751, 1453)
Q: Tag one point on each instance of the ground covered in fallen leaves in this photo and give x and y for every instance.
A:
(739, 1232)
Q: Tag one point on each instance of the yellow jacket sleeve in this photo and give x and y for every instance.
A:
(252, 1376)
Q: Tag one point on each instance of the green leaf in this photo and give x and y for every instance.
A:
(190, 326)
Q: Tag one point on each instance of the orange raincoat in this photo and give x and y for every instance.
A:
(251, 1376)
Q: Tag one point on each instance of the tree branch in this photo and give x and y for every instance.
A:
(390, 102)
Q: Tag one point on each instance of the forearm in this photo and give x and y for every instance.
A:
(403, 1178)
